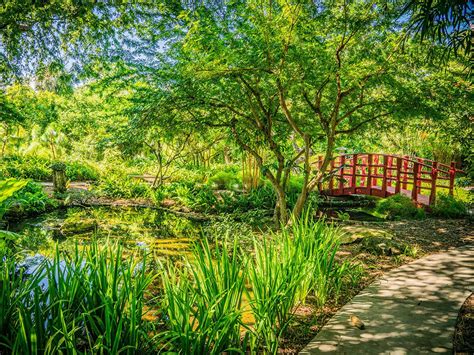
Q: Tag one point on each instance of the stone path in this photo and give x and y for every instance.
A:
(411, 310)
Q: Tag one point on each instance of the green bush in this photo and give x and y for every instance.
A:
(262, 198)
(118, 185)
(224, 180)
(398, 206)
(30, 199)
(78, 171)
(447, 206)
(39, 169)
(8, 188)
(26, 167)
(197, 197)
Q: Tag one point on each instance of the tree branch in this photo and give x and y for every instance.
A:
(360, 124)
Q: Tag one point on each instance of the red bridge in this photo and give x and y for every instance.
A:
(384, 175)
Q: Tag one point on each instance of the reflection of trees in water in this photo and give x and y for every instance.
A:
(128, 225)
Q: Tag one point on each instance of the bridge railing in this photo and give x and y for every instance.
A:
(384, 175)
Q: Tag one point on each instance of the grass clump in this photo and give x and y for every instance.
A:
(397, 207)
(227, 299)
(274, 281)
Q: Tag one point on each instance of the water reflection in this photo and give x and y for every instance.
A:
(135, 228)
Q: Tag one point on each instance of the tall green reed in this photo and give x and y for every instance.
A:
(317, 244)
(91, 301)
(274, 281)
(203, 302)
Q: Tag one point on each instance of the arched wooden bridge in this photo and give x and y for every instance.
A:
(384, 175)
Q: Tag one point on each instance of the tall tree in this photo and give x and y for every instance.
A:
(279, 75)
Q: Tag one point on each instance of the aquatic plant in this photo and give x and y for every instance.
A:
(274, 280)
(203, 302)
(92, 300)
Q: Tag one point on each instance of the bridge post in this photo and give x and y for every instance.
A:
(384, 180)
(389, 172)
(414, 191)
(376, 162)
(342, 161)
(434, 177)
(452, 174)
(420, 171)
(399, 168)
(354, 173)
(364, 171)
(405, 174)
(369, 174)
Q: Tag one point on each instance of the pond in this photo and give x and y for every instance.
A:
(154, 230)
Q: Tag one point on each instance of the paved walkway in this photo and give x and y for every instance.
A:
(411, 310)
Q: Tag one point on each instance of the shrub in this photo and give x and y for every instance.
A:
(194, 196)
(7, 189)
(224, 180)
(39, 169)
(227, 229)
(26, 167)
(447, 206)
(30, 199)
(398, 206)
(78, 171)
(117, 185)
(260, 198)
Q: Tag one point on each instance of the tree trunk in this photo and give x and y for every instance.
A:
(4, 146)
(280, 213)
(227, 158)
(309, 186)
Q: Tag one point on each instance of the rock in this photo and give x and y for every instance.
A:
(355, 234)
(382, 246)
(356, 322)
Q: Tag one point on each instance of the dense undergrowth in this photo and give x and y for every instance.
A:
(39, 169)
(20, 198)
